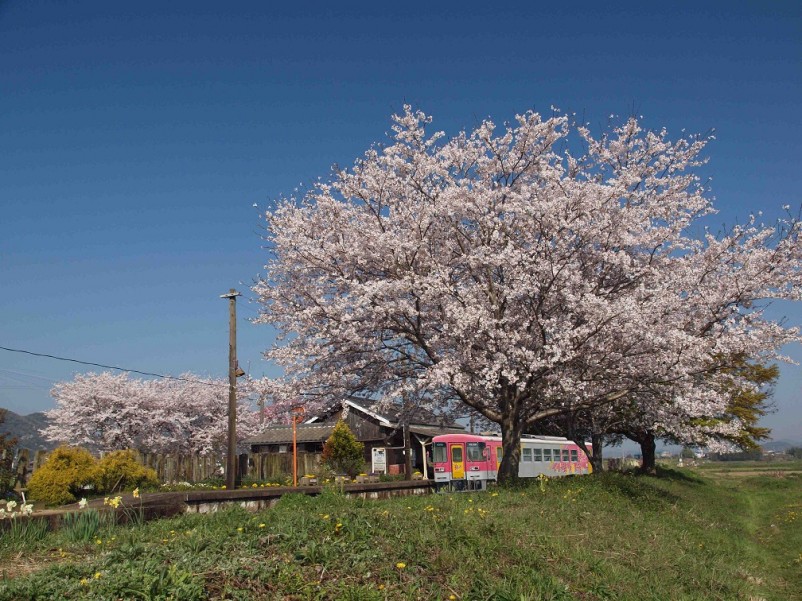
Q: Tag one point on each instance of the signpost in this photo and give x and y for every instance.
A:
(379, 460)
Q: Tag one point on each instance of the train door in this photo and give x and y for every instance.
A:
(457, 462)
(499, 456)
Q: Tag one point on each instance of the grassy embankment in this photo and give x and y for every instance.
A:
(684, 535)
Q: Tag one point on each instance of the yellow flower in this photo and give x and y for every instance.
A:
(84, 582)
(261, 525)
(380, 587)
(400, 565)
(452, 597)
(239, 529)
(97, 575)
(98, 541)
(223, 487)
(135, 492)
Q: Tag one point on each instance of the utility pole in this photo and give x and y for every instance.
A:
(231, 459)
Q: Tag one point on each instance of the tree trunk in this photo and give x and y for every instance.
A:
(648, 453)
(511, 429)
(596, 457)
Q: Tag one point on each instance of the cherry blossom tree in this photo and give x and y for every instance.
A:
(524, 273)
(114, 411)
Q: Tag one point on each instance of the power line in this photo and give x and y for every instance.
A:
(135, 371)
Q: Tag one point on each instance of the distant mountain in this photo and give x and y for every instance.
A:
(26, 429)
(779, 446)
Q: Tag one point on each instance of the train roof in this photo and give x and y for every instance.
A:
(468, 437)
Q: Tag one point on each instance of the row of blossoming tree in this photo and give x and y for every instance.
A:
(108, 412)
(528, 273)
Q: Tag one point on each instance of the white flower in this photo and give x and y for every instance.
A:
(26, 508)
(83, 503)
(11, 505)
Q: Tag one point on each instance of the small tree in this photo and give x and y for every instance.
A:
(7, 445)
(343, 453)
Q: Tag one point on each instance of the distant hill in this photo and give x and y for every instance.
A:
(779, 446)
(26, 429)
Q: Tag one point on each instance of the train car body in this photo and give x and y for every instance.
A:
(471, 461)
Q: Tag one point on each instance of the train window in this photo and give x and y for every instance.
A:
(527, 455)
(538, 454)
(476, 451)
(574, 456)
(555, 453)
(565, 455)
(456, 454)
(439, 452)
(546, 454)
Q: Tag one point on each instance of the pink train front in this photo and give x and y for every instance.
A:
(470, 461)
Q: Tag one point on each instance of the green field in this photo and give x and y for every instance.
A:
(702, 534)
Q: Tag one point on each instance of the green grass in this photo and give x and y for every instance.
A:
(726, 467)
(680, 536)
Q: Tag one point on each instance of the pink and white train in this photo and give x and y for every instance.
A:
(470, 461)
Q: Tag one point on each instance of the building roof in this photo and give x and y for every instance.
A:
(421, 422)
(283, 434)
(432, 431)
(390, 415)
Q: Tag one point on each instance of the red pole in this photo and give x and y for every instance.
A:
(297, 415)
(294, 455)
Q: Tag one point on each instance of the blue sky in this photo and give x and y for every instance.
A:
(136, 137)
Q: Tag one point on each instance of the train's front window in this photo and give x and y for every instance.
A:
(476, 451)
(440, 452)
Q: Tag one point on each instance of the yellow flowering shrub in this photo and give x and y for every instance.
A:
(120, 470)
(62, 476)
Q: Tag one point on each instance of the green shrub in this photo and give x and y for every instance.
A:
(119, 470)
(343, 453)
(62, 476)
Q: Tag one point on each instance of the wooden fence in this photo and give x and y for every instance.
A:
(191, 467)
